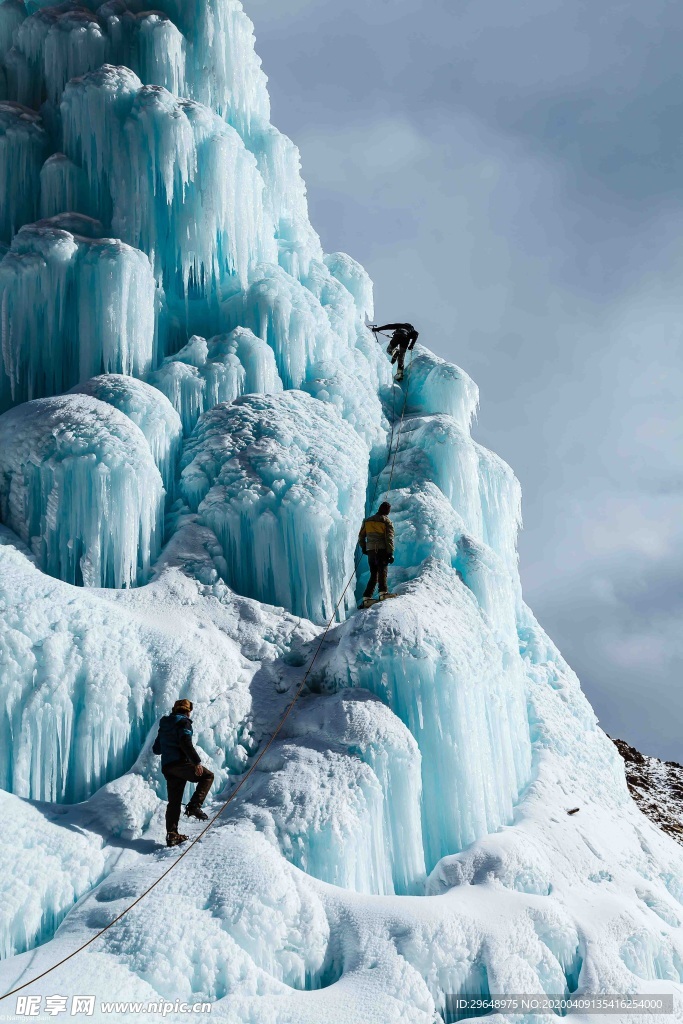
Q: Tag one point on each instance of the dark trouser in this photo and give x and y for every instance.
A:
(379, 569)
(176, 776)
(398, 355)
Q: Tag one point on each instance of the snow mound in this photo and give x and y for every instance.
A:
(340, 794)
(79, 486)
(279, 479)
(149, 410)
(44, 869)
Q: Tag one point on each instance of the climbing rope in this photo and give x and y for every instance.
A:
(265, 749)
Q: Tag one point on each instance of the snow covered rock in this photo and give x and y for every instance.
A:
(79, 486)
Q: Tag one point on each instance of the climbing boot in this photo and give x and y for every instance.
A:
(192, 811)
(385, 594)
(367, 602)
(399, 376)
(175, 838)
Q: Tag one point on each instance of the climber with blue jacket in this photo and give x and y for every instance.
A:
(180, 763)
(402, 340)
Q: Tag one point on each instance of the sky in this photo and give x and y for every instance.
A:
(510, 173)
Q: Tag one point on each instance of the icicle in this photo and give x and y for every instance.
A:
(220, 36)
(180, 183)
(149, 410)
(355, 279)
(280, 166)
(23, 147)
(278, 478)
(12, 13)
(72, 307)
(285, 314)
(63, 187)
(203, 374)
(79, 486)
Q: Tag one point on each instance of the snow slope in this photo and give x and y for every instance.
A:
(183, 521)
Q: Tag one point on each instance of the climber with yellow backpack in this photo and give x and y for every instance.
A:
(376, 539)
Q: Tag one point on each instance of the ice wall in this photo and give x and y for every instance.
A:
(87, 673)
(172, 179)
(462, 698)
(149, 410)
(73, 306)
(278, 479)
(79, 486)
(23, 147)
(204, 373)
(440, 731)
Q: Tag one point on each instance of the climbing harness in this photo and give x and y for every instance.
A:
(272, 738)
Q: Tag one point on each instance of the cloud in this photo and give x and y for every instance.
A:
(511, 175)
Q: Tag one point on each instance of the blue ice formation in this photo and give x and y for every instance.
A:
(79, 485)
(73, 306)
(158, 264)
(276, 477)
(142, 404)
(171, 178)
(205, 373)
(23, 148)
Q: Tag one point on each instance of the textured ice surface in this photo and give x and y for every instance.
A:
(204, 373)
(87, 672)
(463, 701)
(78, 484)
(440, 732)
(280, 479)
(172, 179)
(50, 867)
(23, 147)
(72, 306)
(148, 409)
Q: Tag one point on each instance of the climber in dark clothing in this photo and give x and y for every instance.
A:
(376, 539)
(402, 340)
(180, 763)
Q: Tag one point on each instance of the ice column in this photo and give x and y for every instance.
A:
(23, 147)
(204, 373)
(79, 485)
(178, 180)
(281, 481)
(72, 307)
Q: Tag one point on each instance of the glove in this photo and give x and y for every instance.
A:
(391, 559)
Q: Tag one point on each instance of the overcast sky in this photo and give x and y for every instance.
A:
(510, 173)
